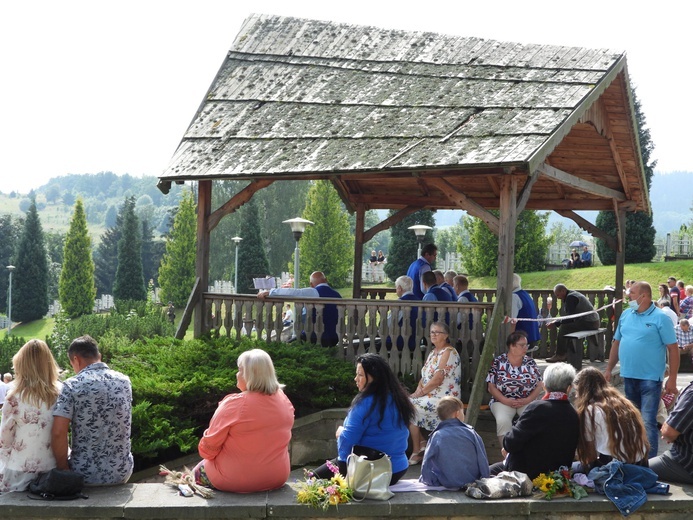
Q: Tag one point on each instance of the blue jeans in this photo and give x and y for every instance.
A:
(645, 395)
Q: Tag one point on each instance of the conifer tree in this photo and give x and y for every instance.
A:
(177, 269)
(30, 279)
(106, 257)
(77, 290)
(328, 244)
(252, 259)
(129, 282)
(10, 231)
(403, 244)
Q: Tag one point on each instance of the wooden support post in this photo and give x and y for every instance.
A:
(358, 249)
(506, 259)
(620, 215)
(204, 205)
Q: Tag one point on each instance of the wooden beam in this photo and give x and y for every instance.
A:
(389, 222)
(358, 250)
(506, 260)
(589, 227)
(526, 192)
(236, 201)
(204, 205)
(605, 120)
(620, 263)
(579, 184)
(463, 202)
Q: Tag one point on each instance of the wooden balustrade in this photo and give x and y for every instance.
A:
(365, 325)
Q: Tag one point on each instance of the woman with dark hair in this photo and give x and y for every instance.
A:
(378, 418)
(513, 381)
(610, 425)
(663, 295)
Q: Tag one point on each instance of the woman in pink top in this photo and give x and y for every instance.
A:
(245, 448)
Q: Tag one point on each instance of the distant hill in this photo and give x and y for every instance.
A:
(102, 194)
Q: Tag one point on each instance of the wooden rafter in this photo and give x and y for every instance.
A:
(389, 222)
(523, 198)
(589, 227)
(580, 184)
(463, 202)
(236, 202)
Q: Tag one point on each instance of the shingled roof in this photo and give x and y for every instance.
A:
(386, 115)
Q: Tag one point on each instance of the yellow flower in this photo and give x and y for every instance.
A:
(339, 480)
(334, 500)
(303, 496)
(547, 484)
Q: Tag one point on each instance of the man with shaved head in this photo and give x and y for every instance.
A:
(643, 338)
(319, 288)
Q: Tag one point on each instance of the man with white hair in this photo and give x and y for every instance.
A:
(404, 289)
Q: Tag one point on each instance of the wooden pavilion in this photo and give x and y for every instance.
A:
(412, 120)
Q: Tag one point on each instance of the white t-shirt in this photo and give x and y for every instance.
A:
(601, 434)
(3, 391)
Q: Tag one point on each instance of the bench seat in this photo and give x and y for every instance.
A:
(595, 349)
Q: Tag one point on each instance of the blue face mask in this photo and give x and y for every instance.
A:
(633, 304)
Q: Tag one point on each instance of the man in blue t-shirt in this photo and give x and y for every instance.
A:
(642, 339)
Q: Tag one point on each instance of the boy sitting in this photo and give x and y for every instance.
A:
(455, 455)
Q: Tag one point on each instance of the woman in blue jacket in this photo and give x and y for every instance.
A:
(379, 417)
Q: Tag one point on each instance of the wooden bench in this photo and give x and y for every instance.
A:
(595, 349)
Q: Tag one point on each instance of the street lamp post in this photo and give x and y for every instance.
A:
(237, 240)
(10, 268)
(298, 226)
(420, 232)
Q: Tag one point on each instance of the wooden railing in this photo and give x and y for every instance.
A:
(365, 325)
(381, 326)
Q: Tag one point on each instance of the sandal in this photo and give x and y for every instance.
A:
(416, 458)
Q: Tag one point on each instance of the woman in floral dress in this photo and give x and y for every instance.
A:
(441, 375)
(27, 417)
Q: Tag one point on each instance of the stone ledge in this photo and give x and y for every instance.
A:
(159, 501)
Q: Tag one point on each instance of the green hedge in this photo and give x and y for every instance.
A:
(177, 386)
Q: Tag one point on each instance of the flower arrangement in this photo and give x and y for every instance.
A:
(559, 482)
(322, 493)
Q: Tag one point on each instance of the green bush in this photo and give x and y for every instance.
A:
(9, 345)
(177, 385)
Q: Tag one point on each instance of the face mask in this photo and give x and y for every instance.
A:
(633, 304)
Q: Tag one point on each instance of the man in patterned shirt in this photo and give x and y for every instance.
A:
(676, 464)
(684, 336)
(97, 405)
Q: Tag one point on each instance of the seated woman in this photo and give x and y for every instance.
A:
(245, 448)
(441, 375)
(610, 425)
(514, 381)
(545, 436)
(575, 261)
(378, 418)
(27, 417)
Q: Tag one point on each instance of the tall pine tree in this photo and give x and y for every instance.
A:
(177, 270)
(30, 279)
(403, 244)
(328, 244)
(10, 231)
(106, 257)
(129, 282)
(640, 231)
(77, 290)
(252, 259)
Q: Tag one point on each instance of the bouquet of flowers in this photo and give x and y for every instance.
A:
(559, 482)
(322, 493)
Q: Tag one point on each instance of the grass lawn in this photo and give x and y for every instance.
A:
(38, 329)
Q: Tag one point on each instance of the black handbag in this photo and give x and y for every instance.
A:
(57, 484)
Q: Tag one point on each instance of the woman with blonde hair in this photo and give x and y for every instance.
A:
(27, 417)
(611, 427)
(246, 447)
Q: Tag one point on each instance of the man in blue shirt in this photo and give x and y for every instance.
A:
(643, 338)
(420, 266)
(585, 257)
